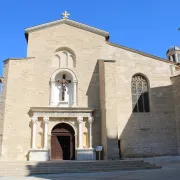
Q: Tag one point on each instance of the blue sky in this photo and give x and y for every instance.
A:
(147, 25)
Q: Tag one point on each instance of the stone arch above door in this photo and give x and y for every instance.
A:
(71, 123)
(62, 127)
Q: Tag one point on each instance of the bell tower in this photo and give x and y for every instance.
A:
(173, 54)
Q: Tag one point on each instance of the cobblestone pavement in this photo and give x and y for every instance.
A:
(170, 171)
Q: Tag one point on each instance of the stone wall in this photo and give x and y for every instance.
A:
(2, 103)
(29, 79)
(176, 99)
(18, 100)
(141, 134)
(105, 83)
(108, 109)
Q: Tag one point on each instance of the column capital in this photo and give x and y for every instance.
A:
(80, 119)
(46, 119)
(90, 119)
(52, 81)
(34, 119)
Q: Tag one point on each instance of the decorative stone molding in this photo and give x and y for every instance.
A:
(63, 70)
(80, 119)
(71, 123)
(60, 112)
(46, 119)
(68, 22)
(90, 119)
(34, 119)
(41, 114)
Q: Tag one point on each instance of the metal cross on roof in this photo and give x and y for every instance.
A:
(65, 15)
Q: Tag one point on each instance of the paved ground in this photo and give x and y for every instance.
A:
(170, 171)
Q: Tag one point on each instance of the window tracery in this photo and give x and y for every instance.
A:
(140, 94)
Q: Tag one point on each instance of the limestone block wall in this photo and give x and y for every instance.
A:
(18, 99)
(2, 103)
(103, 108)
(28, 83)
(86, 47)
(142, 134)
(176, 99)
(109, 110)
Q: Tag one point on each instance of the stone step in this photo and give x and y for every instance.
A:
(73, 163)
(30, 168)
(61, 168)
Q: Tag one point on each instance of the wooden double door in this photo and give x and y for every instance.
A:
(62, 142)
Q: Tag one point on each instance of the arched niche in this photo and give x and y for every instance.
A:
(64, 58)
(63, 86)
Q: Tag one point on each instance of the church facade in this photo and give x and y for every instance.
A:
(76, 90)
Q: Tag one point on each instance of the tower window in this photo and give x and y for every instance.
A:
(174, 58)
(178, 58)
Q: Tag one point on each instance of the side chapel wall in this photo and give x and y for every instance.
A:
(19, 99)
(141, 134)
(176, 99)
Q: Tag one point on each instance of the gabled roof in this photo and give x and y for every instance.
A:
(140, 52)
(69, 22)
(93, 30)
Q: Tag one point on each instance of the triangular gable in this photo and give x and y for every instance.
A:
(69, 22)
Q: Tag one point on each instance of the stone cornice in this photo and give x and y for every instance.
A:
(60, 112)
(69, 22)
(62, 109)
(106, 60)
(26, 58)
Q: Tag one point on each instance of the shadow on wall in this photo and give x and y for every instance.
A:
(93, 94)
(144, 134)
(148, 134)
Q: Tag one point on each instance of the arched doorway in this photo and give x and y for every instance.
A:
(62, 142)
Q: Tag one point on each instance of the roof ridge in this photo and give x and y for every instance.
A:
(140, 52)
(69, 22)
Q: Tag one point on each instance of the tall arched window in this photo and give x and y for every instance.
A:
(140, 94)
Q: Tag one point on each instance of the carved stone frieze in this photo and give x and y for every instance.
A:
(61, 114)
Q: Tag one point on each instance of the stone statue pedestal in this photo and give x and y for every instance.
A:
(63, 104)
(85, 154)
(38, 155)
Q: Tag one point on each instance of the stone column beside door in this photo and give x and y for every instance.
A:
(39, 154)
(85, 153)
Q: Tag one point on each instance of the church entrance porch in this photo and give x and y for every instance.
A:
(60, 133)
(62, 142)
